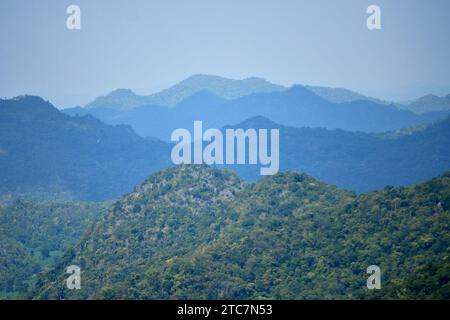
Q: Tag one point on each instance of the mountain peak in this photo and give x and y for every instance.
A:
(429, 97)
(121, 93)
(302, 91)
(258, 122)
(202, 76)
(29, 99)
(201, 97)
(28, 103)
(119, 98)
(208, 78)
(254, 79)
(340, 95)
(428, 103)
(222, 87)
(196, 186)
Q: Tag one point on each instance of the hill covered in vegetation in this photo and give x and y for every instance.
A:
(355, 160)
(192, 232)
(34, 236)
(50, 155)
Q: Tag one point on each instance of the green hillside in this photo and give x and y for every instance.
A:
(34, 236)
(195, 232)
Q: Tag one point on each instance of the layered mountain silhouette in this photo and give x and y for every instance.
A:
(192, 232)
(355, 160)
(340, 95)
(428, 103)
(297, 106)
(43, 151)
(49, 155)
(222, 87)
(197, 232)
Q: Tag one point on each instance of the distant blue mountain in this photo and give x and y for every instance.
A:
(340, 95)
(50, 155)
(355, 160)
(297, 106)
(125, 99)
(428, 103)
(44, 150)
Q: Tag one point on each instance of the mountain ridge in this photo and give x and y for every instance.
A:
(72, 157)
(46, 151)
(220, 86)
(357, 161)
(428, 103)
(295, 106)
(288, 236)
(126, 99)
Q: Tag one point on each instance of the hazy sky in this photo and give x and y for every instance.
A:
(149, 45)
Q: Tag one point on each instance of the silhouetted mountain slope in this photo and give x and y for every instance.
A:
(340, 95)
(120, 99)
(191, 232)
(296, 106)
(352, 160)
(45, 151)
(428, 103)
(355, 160)
(222, 87)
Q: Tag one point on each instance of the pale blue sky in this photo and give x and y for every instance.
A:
(149, 45)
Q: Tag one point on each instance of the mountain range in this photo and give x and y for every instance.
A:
(48, 155)
(428, 103)
(355, 160)
(54, 156)
(222, 87)
(296, 106)
(192, 232)
(229, 89)
(199, 232)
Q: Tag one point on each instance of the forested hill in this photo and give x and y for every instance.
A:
(34, 236)
(50, 155)
(196, 232)
(355, 160)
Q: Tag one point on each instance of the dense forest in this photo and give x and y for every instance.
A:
(200, 233)
(48, 155)
(34, 236)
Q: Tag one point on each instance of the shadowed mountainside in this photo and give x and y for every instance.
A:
(296, 106)
(43, 151)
